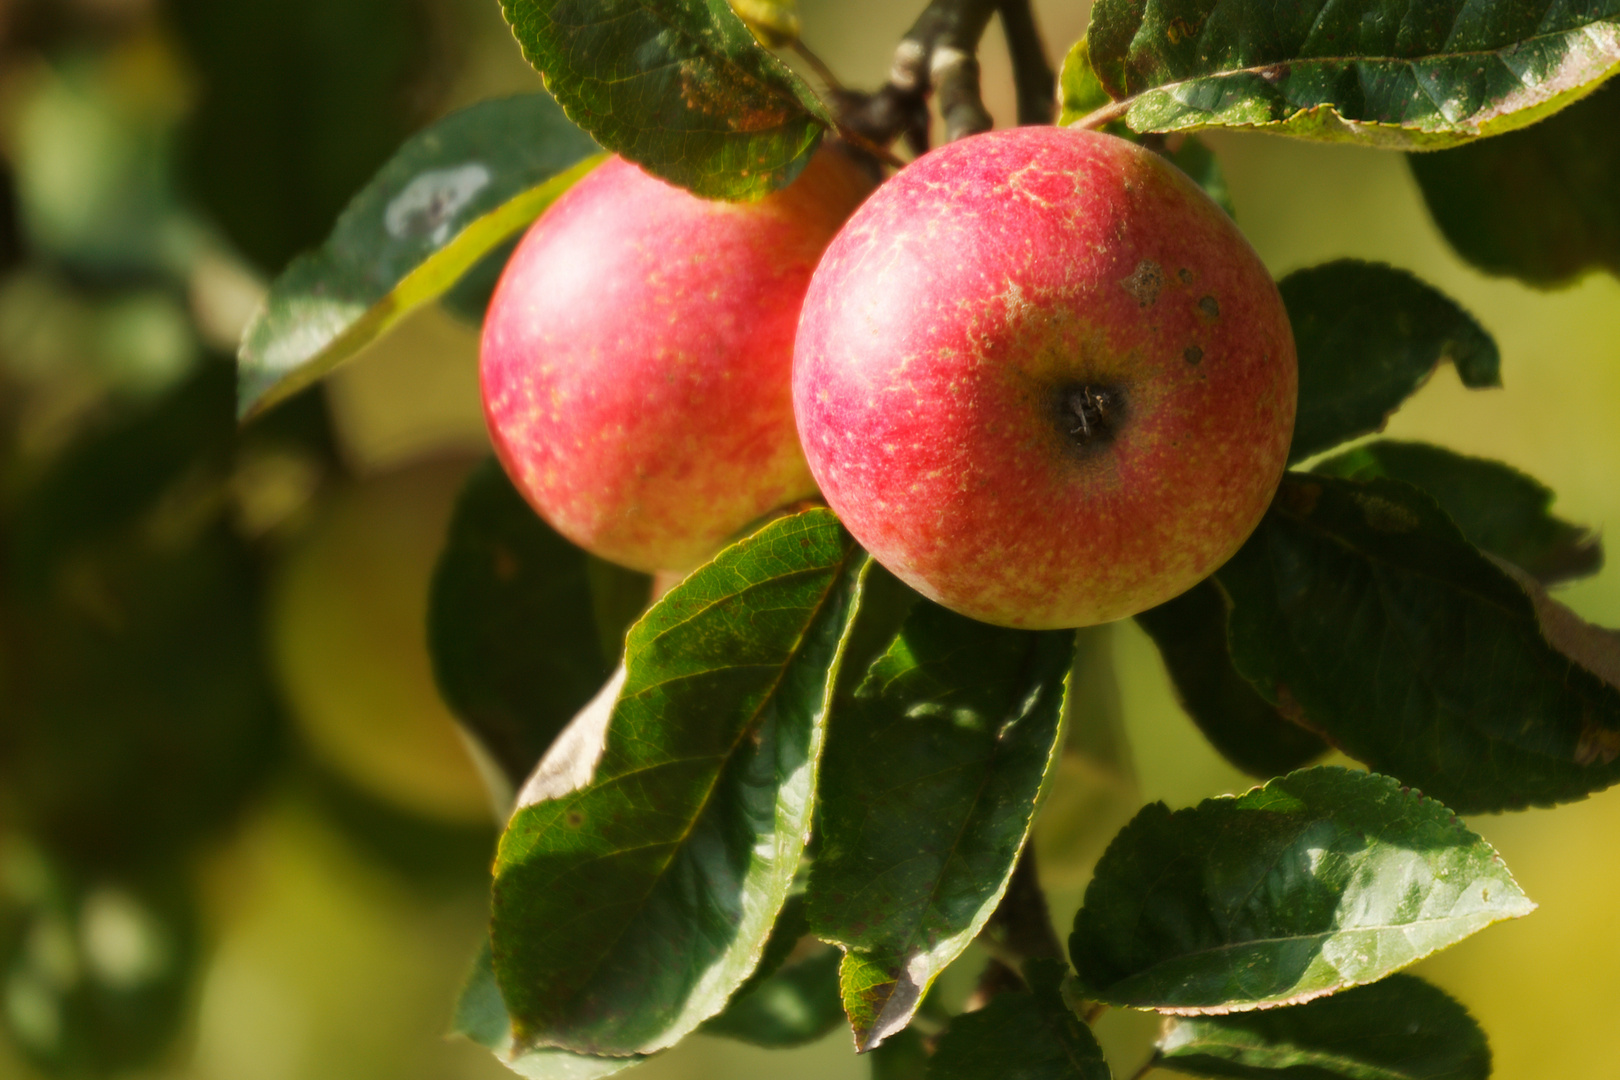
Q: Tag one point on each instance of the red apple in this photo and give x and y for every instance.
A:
(637, 357)
(1044, 380)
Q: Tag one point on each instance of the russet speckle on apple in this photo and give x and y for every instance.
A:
(1044, 379)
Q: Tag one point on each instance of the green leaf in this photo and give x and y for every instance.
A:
(1248, 730)
(512, 624)
(775, 23)
(789, 1000)
(1080, 93)
(1499, 509)
(1409, 78)
(1368, 335)
(628, 911)
(1361, 611)
(446, 198)
(481, 1016)
(1031, 1035)
(1399, 1029)
(927, 794)
(1319, 881)
(1542, 204)
(680, 87)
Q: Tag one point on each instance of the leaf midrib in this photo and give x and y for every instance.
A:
(839, 568)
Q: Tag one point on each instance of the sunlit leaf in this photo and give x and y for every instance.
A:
(1362, 612)
(928, 791)
(1368, 335)
(1409, 78)
(1542, 204)
(446, 198)
(628, 911)
(678, 86)
(1399, 1029)
(1319, 881)
(1498, 508)
(1248, 730)
(1080, 92)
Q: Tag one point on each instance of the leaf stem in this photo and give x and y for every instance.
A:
(1033, 77)
(1096, 119)
(819, 66)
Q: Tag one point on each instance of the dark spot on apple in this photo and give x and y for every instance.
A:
(1185, 275)
(1192, 354)
(1210, 307)
(1145, 283)
(1090, 415)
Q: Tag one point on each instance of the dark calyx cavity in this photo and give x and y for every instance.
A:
(1091, 414)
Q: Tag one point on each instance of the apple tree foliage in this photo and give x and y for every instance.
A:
(793, 792)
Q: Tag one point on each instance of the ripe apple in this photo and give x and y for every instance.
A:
(637, 357)
(1044, 380)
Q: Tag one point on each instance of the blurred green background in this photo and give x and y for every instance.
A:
(240, 838)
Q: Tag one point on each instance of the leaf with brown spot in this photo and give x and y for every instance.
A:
(680, 87)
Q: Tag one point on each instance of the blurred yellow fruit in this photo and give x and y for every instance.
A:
(349, 643)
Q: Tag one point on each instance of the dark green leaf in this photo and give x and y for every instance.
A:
(903, 1056)
(1368, 336)
(678, 86)
(1080, 92)
(789, 1000)
(929, 788)
(511, 624)
(628, 911)
(1318, 881)
(1248, 730)
(1351, 72)
(1398, 1029)
(1498, 508)
(481, 1016)
(448, 196)
(1541, 204)
(1031, 1035)
(1361, 610)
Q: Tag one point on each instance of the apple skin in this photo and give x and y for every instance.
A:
(962, 314)
(637, 356)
